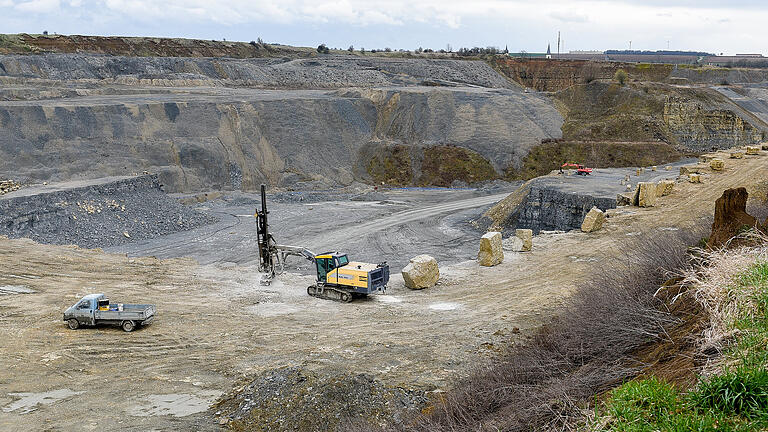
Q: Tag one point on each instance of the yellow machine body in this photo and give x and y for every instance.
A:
(336, 270)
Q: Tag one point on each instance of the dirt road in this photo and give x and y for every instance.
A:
(216, 326)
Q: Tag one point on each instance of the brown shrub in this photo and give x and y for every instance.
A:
(547, 384)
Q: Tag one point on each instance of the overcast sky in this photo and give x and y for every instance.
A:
(736, 26)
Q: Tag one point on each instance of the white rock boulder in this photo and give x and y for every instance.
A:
(526, 236)
(422, 272)
(593, 221)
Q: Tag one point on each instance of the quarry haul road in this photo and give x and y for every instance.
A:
(401, 218)
(217, 326)
(372, 231)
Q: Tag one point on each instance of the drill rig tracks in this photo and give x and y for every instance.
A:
(328, 292)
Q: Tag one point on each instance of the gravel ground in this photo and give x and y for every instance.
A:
(100, 213)
(296, 399)
(320, 72)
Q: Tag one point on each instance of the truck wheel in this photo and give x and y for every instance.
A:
(128, 326)
(73, 324)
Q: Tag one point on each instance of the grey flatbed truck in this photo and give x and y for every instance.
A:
(95, 309)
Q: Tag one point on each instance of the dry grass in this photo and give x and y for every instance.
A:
(713, 278)
(548, 383)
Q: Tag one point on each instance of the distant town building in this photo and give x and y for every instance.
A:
(549, 53)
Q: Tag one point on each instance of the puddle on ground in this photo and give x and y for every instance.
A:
(175, 404)
(28, 402)
(15, 289)
(444, 306)
(272, 309)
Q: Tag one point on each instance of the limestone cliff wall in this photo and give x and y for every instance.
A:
(281, 137)
(699, 129)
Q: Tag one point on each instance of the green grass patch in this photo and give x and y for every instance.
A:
(734, 400)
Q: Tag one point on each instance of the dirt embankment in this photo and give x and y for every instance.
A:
(639, 124)
(554, 75)
(550, 155)
(690, 119)
(438, 165)
(143, 46)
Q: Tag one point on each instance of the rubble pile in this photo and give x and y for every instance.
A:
(7, 186)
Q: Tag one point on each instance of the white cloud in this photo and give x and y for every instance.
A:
(687, 24)
(38, 6)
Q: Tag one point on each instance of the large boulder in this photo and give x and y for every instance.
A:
(512, 244)
(730, 216)
(491, 252)
(526, 236)
(664, 187)
(593, 221)
(422, 272)
(645, 194)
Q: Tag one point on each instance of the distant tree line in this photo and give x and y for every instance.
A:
(467, 52)
(464, 52)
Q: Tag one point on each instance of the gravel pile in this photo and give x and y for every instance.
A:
(99, 214)
(290, 399)
(319, 72)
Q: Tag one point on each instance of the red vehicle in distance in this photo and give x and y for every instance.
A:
(580, 169)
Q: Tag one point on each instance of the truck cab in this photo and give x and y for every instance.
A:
(84, 311)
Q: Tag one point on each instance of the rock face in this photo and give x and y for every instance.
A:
(730, 216)
(664, 187)
(593, 221)
(422, 272)
(699, 128)
(320, 121)
(646, 194)
(540, 205)
(717, 164)
(526, 236)
(280, 137)
(491, 252)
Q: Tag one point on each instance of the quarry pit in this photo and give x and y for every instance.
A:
(138, 180)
